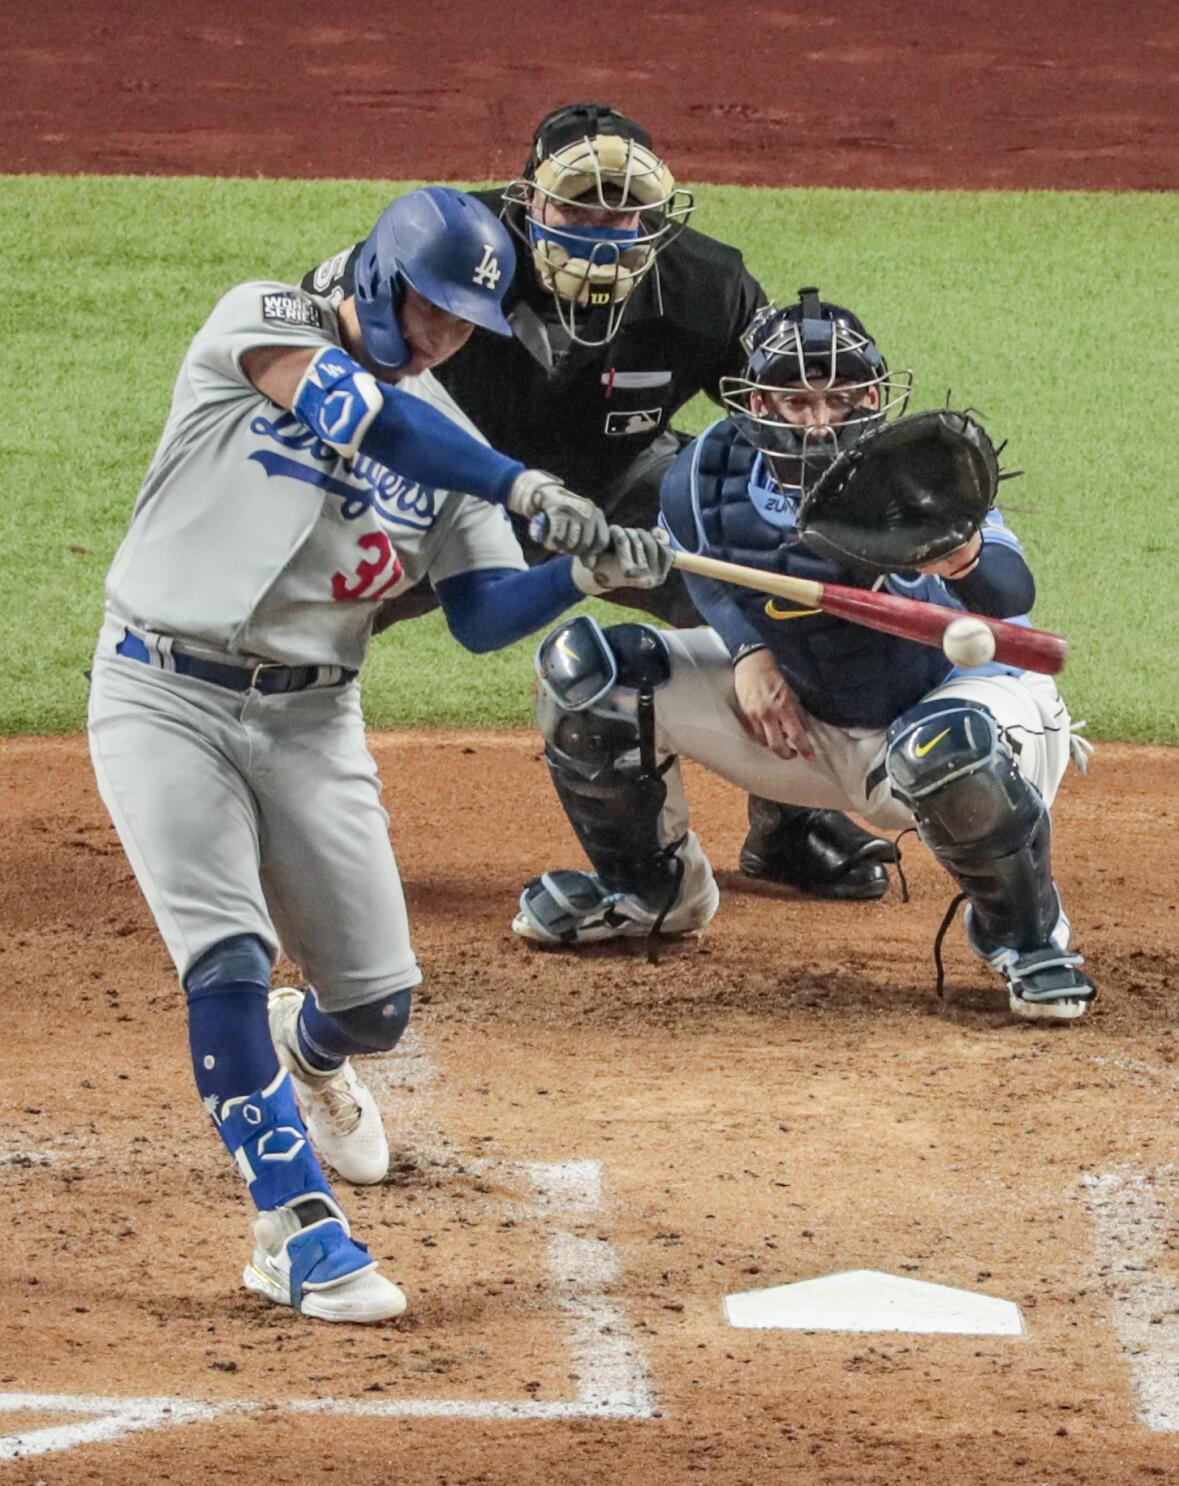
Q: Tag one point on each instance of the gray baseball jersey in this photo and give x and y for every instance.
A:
(250, 813)
(253, 538)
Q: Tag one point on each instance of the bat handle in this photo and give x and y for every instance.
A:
(538, 528)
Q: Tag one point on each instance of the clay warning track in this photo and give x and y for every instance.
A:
(987, 93)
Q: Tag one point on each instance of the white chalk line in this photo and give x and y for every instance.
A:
(1132, 1212)
(111, 1419)
(1136, 1065)
(613, 1377)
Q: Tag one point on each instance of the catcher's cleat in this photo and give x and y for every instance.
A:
(1042, 984)
(819, 852)
(317, 1267)
(570, 907)
(341, 1114)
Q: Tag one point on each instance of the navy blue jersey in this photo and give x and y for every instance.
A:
(718, 499)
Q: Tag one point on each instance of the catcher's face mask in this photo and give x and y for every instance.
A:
(814, 383)
(596, 212)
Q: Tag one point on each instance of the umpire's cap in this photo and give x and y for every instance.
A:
(573, 121)
(450, 248)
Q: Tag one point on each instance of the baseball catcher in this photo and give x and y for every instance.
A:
(817, 474)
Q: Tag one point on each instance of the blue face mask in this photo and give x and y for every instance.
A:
(597, 244)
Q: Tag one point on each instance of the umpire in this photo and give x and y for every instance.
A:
(620, 314)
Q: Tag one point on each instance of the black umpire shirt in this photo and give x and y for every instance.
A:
(586, 412)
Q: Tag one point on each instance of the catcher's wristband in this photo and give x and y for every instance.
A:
(749, 648)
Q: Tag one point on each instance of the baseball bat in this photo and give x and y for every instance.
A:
(911, 619)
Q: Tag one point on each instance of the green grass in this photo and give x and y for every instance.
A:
(1056, 314)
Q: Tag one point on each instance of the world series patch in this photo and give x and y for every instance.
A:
(291, 309)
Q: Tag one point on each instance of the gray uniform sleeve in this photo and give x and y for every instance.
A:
(251, 315)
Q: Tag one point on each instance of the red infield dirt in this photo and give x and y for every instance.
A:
(592, 1152)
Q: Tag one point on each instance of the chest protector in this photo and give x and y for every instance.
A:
(842, 673)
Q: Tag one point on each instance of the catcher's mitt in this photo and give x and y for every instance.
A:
(906, 494)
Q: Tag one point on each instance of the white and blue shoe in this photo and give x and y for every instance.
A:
(319, 1269)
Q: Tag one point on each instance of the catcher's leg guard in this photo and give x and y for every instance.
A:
(991, 831)
(601, 756)
(820, 852)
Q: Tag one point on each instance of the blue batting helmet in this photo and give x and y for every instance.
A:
(815, 347)
(448, 247)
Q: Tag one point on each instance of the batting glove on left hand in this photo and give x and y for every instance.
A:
(634, 559)
(558, 520)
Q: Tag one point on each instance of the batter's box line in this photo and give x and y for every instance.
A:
(1132, 1211)
(613, 1377)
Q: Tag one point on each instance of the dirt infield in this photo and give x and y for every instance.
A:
(783, 1100)
(592, 1152)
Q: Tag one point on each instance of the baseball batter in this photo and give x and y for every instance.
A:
(621, 312)
(801, 706)
(293, 489)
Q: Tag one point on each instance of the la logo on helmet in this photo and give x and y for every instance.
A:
(488, 273)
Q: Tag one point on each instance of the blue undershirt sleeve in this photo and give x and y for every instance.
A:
(493, 607)
(716, 604)
(1001, 586)
(414, 439)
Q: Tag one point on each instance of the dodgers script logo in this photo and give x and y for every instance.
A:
(396, 500)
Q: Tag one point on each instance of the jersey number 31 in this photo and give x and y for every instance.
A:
(366, 582)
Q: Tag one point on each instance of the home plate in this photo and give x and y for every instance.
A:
(869, 1300)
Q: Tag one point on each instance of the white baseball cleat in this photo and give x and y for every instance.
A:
(341, 1114)
(1043, 985)
(319, 1270)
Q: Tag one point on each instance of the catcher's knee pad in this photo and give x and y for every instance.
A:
(375, 1027)
(595, 713)
(239, 963)
(947, 762)
(580, 664)
(979, 816)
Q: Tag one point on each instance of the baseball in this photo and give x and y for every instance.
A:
(968, 642)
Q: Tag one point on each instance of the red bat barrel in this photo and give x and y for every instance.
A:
(1015, 645)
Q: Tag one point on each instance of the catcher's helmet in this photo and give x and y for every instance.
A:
(449, 248)
(812, 346)
(590, 155)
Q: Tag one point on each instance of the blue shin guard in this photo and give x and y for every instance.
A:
(307, 1245)
(265, 1135)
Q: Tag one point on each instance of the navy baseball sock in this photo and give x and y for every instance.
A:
(229, 1035)
(323, 1042)
(327, 1038)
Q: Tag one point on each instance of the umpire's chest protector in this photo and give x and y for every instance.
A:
(843, 673)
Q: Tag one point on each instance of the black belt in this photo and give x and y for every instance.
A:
(267, 677)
